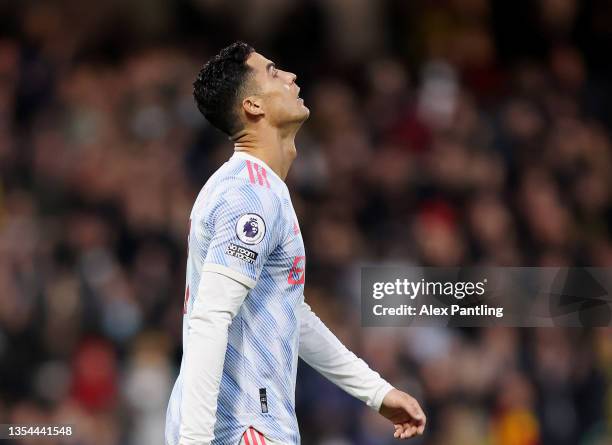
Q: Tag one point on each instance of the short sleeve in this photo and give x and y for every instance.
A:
(244, 230)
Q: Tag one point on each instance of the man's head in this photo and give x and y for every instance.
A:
(239, 87)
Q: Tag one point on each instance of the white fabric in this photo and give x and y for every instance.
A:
(219, 299)
(322, 350)
(231, 273)
(240, 353)
(243, 225)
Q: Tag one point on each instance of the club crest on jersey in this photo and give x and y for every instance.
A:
(250, 228)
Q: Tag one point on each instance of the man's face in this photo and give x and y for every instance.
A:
(278, 91)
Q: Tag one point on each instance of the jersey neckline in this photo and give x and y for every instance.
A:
(246, 156)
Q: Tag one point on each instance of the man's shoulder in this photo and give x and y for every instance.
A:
(239, 183)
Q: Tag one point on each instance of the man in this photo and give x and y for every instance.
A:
(245, 320)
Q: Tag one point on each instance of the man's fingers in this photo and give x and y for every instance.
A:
(409, 431)
(421, 429)
(405, 431)
(399, 430)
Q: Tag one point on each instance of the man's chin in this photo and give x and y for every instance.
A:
(305, 112)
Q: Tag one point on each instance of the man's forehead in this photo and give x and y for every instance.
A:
(258, 61)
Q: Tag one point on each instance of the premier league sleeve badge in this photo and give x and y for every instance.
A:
(250, 228)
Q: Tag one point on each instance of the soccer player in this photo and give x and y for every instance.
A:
(245, 320)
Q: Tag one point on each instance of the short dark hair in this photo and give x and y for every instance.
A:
(218, 86)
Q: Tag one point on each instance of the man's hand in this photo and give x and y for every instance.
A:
(405, 413)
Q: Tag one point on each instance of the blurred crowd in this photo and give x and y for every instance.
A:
(442, 133)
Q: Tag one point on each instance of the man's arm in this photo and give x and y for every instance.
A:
(218, 301)
(322, 350)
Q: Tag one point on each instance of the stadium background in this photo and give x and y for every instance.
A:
(442, 132)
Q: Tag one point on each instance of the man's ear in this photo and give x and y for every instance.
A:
(253, 106)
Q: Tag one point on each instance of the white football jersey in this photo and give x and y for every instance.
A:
(243, 226)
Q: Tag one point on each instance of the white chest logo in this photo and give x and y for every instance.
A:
(250, 228)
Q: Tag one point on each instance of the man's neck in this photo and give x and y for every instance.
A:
(273, 146)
